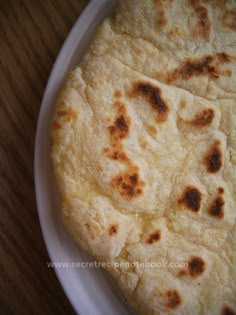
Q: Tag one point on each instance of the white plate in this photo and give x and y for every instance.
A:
(90, 291)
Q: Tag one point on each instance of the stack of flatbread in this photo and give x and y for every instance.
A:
(144, 151)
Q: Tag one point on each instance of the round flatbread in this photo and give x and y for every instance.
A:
(144, 152)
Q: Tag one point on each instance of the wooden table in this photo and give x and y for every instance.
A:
(31, 35)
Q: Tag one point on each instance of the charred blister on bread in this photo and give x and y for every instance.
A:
(63, 116)
(68, 114)
(216, 209)
(152, 95)
(213, 160)
(128, 183)
(121, 126)
(191, 198)
(161, 14)
(118, 131)
(113, 229)
(154, 237)
(206, 65)
(226, 310)
(220, 190)
(229, 19)
(196, 266)
(173, 299)
(203, 24)
(116, 154)
(201, 119)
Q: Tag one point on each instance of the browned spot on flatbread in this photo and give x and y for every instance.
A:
(206, 65)
(216, 208)
(128, 183)
(224, 58)
(194, 67)
(229, 19)
(154, 237)
(203, 118)
(213, 159)
(152, 130)
(182, 273)
(122, 156)
(173, 299)
(152, 94)
(56, 125)
(220, 190)
(120, 128)
(118, 131)
(191, 198)
(116, 154)
(68, 114)
(118, 93)
(196, 266)
(203, 25)
(161, 14)
(228, 311)
(113, 229)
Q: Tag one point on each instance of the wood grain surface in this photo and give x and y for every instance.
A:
(31, 35)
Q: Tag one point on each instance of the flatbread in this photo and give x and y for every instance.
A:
(144, 152)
